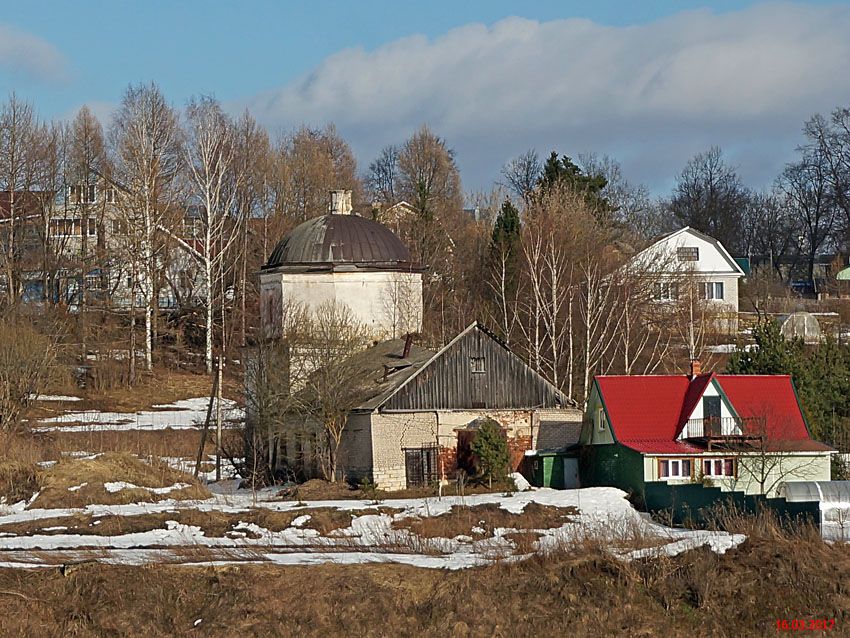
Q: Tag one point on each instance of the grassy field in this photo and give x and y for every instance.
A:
(583, 589)
(581, 592)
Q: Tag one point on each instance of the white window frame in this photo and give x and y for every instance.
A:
(714, 291)
(689, 250)
(678, 466)
(666, 291)
(601, 419)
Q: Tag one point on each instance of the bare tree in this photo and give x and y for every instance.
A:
(310, 163)
(146, 146)
(829, 141)
(18, 130)
(522, 173)
(275, 372)
(810, 199)
(383, 176)
(332, 386)
(709, 196)
(27, 365)
(402, 304)
(254, 201)
(85, 170)
(765, 456)
(215, 178)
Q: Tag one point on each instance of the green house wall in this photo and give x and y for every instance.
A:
(612, 465)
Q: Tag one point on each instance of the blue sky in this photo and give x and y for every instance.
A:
(648, 82)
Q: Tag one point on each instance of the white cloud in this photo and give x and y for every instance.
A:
(25, 54)
(651, 94)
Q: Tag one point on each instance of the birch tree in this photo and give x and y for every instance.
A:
(146, 145)
(18, 130)
(214, 178)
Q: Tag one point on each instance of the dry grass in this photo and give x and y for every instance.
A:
(461, 520)
(213, 523)
(741, 593)
(171, 443)
(19, 473)
(320, 490)
(111, 467)
(162, 387)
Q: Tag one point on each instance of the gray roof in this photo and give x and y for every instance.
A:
(377, 389)
(382, 370)
(330, 241)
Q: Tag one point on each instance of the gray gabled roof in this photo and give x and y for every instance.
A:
(421, 360)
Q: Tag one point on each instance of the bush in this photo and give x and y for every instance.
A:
(27, 365)
(491, 448)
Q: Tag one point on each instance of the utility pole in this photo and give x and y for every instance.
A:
(218, 422)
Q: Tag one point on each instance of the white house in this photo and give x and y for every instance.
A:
(690, 254)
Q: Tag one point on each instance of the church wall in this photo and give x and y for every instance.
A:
(389, 303)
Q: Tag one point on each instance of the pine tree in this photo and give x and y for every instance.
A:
(821, 375)
(491, 448)
(506, 230)
(562, 170)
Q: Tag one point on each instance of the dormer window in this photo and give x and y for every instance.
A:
(687, 253)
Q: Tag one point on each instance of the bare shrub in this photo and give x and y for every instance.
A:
(28, 363)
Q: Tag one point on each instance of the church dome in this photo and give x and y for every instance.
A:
(337, 241)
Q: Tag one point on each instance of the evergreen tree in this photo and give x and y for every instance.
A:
(506, 230)
(821, 375)
(771, 354)
(491, 448)
(562, 170)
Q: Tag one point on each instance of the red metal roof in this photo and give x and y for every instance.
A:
(647, 413)
(769, 407)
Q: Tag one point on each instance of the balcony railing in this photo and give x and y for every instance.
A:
(718, 427)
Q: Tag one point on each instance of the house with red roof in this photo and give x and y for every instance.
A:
(745, 433)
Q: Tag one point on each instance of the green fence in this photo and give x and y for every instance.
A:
(693, 503)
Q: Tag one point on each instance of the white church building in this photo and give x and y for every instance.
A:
(348, 259)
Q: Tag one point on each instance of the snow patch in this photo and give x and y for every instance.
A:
(180, 415)
(520, 482)
(117, 486)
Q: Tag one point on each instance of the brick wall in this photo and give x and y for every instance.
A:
(391, 433)
(517, 446)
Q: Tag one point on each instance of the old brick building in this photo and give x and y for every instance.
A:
(420, 409)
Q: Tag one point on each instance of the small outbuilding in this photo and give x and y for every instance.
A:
(802, 325)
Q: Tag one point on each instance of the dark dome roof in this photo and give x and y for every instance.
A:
(332, 240)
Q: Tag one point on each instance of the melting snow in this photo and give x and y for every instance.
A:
(117, 486)
(603, 513)
(180, 415)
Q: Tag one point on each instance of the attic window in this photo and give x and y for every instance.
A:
(477, 365)
(601, 420)
(688, 253)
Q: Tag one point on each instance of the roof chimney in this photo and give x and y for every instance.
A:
(408, 341)
(696, 368)
(341, 202)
